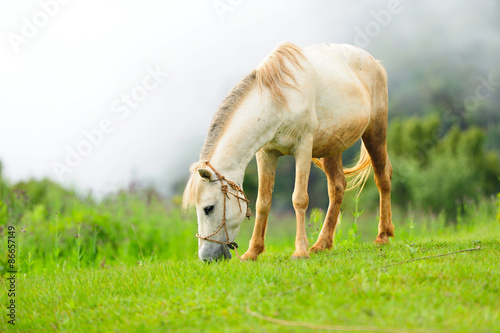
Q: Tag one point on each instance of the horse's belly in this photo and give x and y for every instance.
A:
(334, 137)
(334, 134)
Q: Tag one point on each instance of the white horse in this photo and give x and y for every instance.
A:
(312, 103)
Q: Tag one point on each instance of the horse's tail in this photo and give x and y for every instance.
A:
(359, 172)
(318, 163)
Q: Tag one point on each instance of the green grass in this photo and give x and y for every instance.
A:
(128, 263)
(347, 286)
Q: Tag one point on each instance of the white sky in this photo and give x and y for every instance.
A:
(66, 78)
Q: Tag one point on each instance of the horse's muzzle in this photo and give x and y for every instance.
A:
(214, 252)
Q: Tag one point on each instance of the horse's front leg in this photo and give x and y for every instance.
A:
(300, 198)
(266, 166)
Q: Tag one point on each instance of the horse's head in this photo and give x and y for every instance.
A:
(221, 207)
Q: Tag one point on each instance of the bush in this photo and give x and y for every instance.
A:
(438, 171)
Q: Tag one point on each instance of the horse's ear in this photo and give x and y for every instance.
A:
(206, 175)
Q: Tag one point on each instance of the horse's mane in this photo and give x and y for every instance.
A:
(224, 114)
(272, 74)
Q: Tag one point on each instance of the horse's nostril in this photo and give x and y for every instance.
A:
(207, 261)
(213, 253)
(227, 253)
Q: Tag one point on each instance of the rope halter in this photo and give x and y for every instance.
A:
(225, 194)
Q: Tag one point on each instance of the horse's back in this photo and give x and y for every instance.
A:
(339, 60)
(347, 84)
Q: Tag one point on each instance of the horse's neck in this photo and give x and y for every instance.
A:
(252, 125)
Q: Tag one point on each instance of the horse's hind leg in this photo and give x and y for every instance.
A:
(375, 142)
(332, 166)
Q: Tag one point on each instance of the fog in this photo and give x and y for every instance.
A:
(98, 94)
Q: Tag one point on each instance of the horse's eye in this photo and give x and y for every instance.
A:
(208, 209)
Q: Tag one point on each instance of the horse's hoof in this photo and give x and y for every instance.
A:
(382, 240)
(316, 249)
(320, 247)
(249, 256)
(300, 255)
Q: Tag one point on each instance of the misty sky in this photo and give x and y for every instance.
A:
(132, 85)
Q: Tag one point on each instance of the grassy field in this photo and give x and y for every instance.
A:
(347, 289)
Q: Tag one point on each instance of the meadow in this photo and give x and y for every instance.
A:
(128, 263)
(144, 79)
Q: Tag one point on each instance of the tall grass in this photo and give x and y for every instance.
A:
(137, 227)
